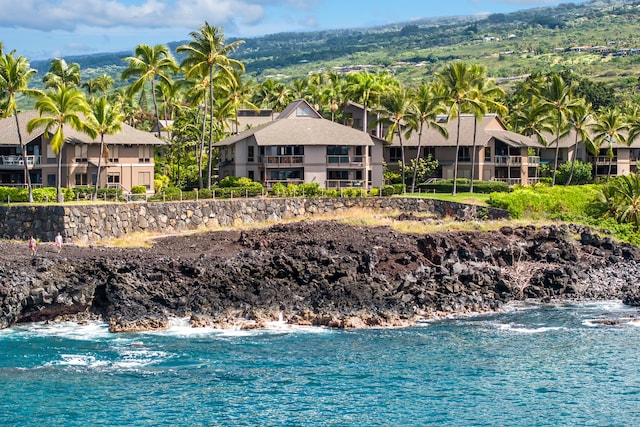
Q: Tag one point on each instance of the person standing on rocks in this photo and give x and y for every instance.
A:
(58, 242)
(32, 246)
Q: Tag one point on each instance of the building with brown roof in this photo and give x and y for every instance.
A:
(127, 161)
(300, 146)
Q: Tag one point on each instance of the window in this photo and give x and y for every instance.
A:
(487, 154)
(114, 154)
(51, 180)
(464, 154)
(250, 153)
(81, 179)
(338, 175)
(94, 179)
(81, 151)
(251, 175)
(144, 178)
(395, 154)
(337, 150)
(429, 151)
(144, 154)
(304, 111)
(113, 178)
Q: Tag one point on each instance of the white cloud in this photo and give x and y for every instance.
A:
(67, 15)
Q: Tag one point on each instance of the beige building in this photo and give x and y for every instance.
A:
(300, 146)
(127, 161)
(500, 154)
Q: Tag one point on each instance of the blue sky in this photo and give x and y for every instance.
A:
(41, 29)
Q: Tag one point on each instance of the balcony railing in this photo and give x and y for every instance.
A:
(344, 183)
(508, 160)
(533, 160)
(510, 181)
(18, 161)
(276, 161)
(601, 160)
(345, 160)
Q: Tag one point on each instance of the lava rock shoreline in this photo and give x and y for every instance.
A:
(322, 273)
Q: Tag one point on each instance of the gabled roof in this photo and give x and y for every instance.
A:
(489, 127)
(128, 134)
(301, 124)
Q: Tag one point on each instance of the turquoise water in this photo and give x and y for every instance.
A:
(533, 365)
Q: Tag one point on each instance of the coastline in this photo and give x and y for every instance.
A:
(315, 273)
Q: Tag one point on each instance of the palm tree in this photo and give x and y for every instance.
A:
(609, 128)
(366, 89)
(62, 74)
(557, 96)
(105, 119)
(205, 54)
(15, 75)
(397, 107)
(149, 64)
(57, 108)
(427, 106)
(459, 80)
(486, 95)
(104, 83)
(580, 119)
(238, 95)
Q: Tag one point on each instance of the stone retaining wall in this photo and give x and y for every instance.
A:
(90, 223)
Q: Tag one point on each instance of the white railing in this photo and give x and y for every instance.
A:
(344, 183)
(510, 181)
(508, 160)
(533, 160)
(19, 161)
(345, 160)
(602, 159)
(282, 160)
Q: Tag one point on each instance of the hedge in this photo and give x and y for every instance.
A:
(463, 185)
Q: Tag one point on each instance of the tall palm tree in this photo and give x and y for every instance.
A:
(205, 54)
(104, 83)
(487, 98)
(237, 94)
(149, 64)
(15, 75)
(397, 107)
(105, 119)
(365, 89)
(58, 108)
(62, 74)
(609, 127)
(558, 97)
(426, 109)
(580, 119)
(459, 80)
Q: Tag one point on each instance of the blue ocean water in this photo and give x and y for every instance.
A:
(535, 365)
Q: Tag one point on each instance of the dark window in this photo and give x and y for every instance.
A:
(250, 153)
(487, 154)
(81, 179)
(464, 154)
(51, 180)
(251, 175)
(395, 154)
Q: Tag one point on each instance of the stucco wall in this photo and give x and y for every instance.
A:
(93, 222)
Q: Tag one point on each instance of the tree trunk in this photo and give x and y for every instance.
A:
(95, 190)
(155, 105)
(473, 154)
(23, 148)
(557, 153)
(455, 162)
(210, 157)
(415, 166)
(59, 195)
(573, 162)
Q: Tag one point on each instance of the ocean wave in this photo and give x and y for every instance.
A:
(89, 331)
(522, 329)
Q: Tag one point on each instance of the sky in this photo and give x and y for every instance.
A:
(43, 29)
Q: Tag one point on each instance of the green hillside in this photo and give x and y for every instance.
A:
(509, 45)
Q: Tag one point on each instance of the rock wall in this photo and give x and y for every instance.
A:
(97, 221)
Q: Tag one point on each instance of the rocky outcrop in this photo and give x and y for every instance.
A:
(315, 273)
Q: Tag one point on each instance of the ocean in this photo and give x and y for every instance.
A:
(534, 365)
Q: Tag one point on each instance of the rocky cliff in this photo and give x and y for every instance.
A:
(313, 273)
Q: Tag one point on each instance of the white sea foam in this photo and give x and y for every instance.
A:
(521, 329)
(72, 330)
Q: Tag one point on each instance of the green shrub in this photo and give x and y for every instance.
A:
(138, 189)
(463, 185)
(310, 190)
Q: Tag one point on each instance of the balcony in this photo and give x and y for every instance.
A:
(18, 161)
(509, 160)
(510, 181)
(279, 161)
(345, 160)
(533, 160)
(602, 160)
(344, 183)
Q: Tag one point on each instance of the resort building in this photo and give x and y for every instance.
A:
(300, 146)
(127, 160)
(500, 154)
